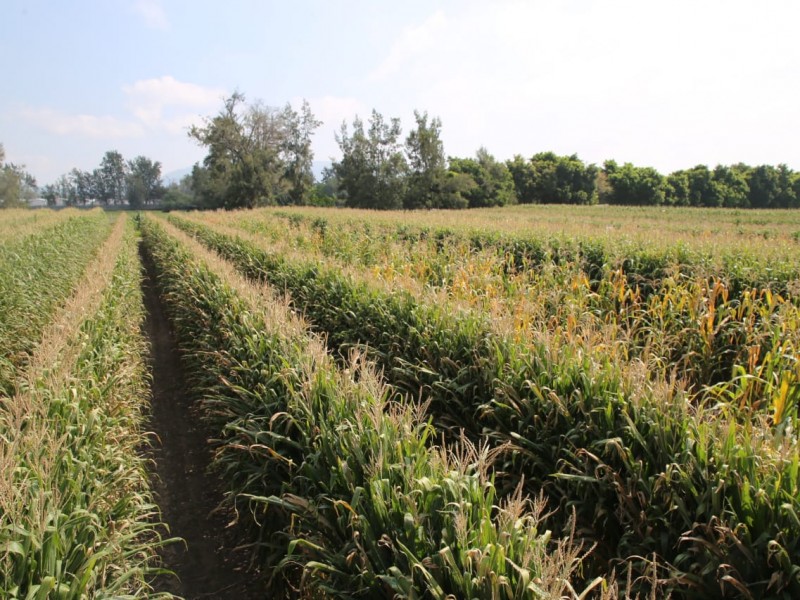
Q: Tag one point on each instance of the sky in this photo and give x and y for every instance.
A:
(667, 84)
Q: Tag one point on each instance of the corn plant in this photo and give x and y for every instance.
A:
(584, 430)
(16, 223)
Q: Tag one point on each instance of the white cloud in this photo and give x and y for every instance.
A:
(152, 12)
(163, 105)
(413, 43)
(168, 91)
(166, 103)
(91, 126)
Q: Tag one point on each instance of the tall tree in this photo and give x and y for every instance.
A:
(494, 185)
(427, 165)
(632, 185)
(61, 190)
(82, 187)
(297, 152)
(525, 180)
(702, 189)
(371, 173)
(180, 194)
(17, 186)
(49, 193)
(143, 184)
(676, 189)
(110, 177)
(763, 183)
(731, 185)
(257, 155)
(561, 179)
(786, 197)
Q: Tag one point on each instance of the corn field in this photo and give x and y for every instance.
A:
(516, 403)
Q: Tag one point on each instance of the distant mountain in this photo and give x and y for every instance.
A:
(176, 175)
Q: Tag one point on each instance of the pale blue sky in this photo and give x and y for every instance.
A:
(667, 84)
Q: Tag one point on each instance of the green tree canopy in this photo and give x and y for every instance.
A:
(549, 178)
(731, 185)
(634, 185)
(257, 155)
(144, 184)
(427, 165)
(109, 179)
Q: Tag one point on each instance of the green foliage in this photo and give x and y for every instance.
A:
(76, 516)
(731, 186)
(116, 181)
(428, 184)
(493, 183)
(772, 187)
(735, 186)
(549, 178)
(17, 186)
(37, 274)
(109, 179)
(632, 185)
(143, 183)
(180, 194)
(650, 469)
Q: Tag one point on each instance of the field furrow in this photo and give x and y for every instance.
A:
(527, 402)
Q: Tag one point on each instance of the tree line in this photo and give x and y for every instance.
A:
(260, 155)
(115, 181)
(377, 171)
(734, 186)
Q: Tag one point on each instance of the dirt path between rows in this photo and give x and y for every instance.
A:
(206, 566)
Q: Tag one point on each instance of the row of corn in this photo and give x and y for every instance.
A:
(17, 223)
(707, 501)
(644, 260)
(38, 271)
(76, 515)
(343, 483)
(691, 327)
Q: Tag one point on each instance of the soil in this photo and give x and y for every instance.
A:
(208, 564)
